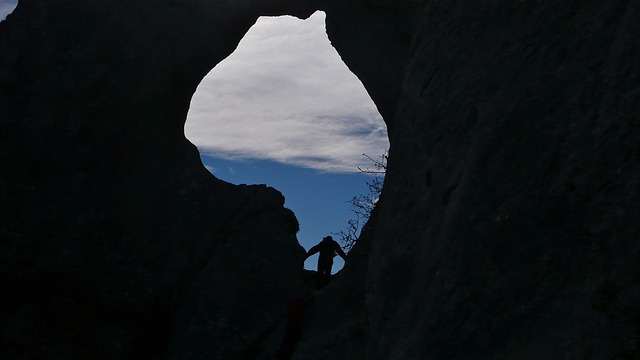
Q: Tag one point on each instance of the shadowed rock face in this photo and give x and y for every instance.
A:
(116, 242)
(507, 226)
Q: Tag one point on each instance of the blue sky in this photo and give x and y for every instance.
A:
(318, 199)
(285, 111)
(6, 7)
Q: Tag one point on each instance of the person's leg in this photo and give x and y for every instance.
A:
(324, 273)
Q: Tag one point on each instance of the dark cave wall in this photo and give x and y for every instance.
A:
(116, 242)
(508, 224)
(507, 227)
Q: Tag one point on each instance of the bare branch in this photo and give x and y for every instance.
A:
(362, 205)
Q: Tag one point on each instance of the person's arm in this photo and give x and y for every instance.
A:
(340, 252)
(313, 250)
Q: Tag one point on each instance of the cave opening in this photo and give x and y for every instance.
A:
(284, 110)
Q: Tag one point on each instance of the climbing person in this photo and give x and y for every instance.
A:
(328, 248)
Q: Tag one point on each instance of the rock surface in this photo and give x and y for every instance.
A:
(507, 227)
(116, 242)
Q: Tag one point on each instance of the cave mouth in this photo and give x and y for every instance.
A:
(284, 110)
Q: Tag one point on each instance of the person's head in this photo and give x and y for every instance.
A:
(329, 238)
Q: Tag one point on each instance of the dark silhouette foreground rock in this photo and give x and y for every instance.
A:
(507, 228)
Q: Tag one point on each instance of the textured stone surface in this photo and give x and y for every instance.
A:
(116, 242)
(507, 227)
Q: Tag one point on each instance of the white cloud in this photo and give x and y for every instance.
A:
(286, 95)
(7, 7)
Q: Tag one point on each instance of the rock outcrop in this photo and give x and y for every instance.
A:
(507, 227)
(116, 242)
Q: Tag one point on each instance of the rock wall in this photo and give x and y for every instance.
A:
(507, 228)
(116, 242)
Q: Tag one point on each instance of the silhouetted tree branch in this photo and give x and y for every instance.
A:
(363, 204)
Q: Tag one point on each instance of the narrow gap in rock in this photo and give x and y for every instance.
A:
(285, 111)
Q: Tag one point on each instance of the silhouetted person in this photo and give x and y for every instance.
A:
(328, 248)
